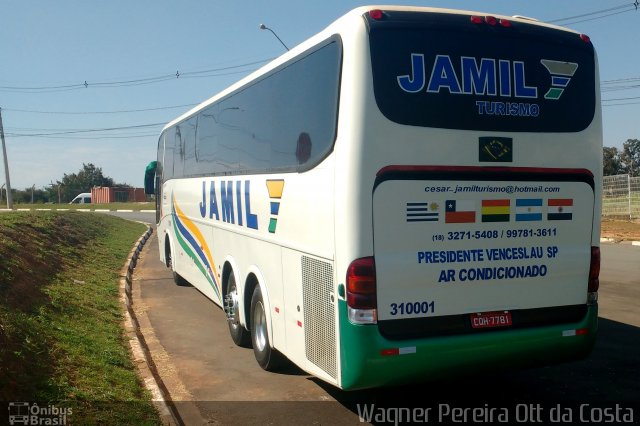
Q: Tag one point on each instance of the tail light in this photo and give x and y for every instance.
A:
(491, 20)
(594, 274)
(361, 291)
(376, 14)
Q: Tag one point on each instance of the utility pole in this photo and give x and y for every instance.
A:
(6, 166)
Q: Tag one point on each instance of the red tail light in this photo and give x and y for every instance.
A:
(491, 20)
(376, 14)
(594, 270)
(361, 284)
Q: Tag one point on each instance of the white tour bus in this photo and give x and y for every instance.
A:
(409, 194)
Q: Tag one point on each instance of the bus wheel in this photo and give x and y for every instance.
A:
(239, 334)
(180, 281)
(177, 278)
(268, 358)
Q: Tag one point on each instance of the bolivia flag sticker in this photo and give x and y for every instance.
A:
(496, 210)
(560, 209)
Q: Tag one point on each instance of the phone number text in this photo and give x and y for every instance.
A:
(496, 234)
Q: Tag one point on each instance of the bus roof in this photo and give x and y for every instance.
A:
(337, 27)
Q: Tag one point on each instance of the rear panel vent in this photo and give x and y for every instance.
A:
(319, 314)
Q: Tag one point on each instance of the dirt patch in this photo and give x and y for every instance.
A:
(620, 230)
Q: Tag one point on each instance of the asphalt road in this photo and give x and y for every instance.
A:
(212, 381)
(146, 216)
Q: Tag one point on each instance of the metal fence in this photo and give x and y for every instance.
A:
(621, 196)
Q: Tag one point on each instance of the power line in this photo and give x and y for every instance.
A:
(68, 132)
(213, 72)
(615, 80)
(53, 133)
(622, 103)
(597, 12)
(598, 17)
(606, 83)
(621, 99)
(98, 112)
(146, 135)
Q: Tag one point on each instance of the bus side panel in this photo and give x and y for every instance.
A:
(268, 227)
(305, 230)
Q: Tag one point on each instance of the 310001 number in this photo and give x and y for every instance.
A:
(409, 308)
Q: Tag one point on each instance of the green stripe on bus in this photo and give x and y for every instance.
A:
(195, 258)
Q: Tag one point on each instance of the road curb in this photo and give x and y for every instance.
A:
(139, 349)
(619, 241)
(77, 210)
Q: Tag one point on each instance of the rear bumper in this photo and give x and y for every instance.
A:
(363, 364)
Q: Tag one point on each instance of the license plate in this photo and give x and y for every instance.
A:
(491, 319)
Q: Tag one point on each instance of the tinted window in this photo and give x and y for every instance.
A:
(160, 159)
(169, 148)
(186, 140)
(440, 70)
(285, 121)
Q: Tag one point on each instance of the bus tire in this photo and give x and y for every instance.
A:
(268, 358)
(180, 281)
(239, 334)
(177, 278)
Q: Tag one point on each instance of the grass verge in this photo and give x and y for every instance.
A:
(108, 206)
(61, 335)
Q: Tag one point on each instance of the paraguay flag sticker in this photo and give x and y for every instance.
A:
(560, 209)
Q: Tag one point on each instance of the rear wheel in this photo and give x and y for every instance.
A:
(268, 358)
(239, 334)
(177, 278)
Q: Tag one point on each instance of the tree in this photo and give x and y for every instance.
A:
(611, 161)
(31, 194)
(76, 183)
(630, 157)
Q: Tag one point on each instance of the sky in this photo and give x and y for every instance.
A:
(145, 62)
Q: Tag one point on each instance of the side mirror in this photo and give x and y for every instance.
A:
(150, 177)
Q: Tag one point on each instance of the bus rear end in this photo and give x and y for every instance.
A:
(481, 165)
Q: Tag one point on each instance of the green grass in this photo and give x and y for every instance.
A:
(61, 335)
(109, 206)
